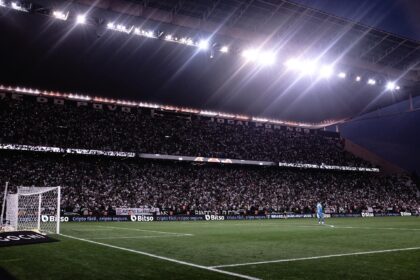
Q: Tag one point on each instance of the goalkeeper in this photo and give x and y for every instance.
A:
(320, 213)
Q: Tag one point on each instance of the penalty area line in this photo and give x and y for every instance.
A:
(319, 257)
(213, 269)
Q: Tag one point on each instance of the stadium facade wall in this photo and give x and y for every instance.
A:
(373, 158)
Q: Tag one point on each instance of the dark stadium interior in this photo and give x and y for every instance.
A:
(74, 59)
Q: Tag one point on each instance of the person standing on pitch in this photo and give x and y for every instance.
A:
(320, 213)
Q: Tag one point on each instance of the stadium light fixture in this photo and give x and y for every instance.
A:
(262, 58)
(371, 82)
(266, 58)
(60, 15)
(358, 79)
(2, 4)
(308, 67)
(397, 88)
(203, 45)
(342, 75)
(326, 71)
(141, 32)
(119, 27)
(18, 7)
(250, 54)
(224, 49)
(292, 64)
(169, 37)
(391, 86)
(81, 19)
(305, 67)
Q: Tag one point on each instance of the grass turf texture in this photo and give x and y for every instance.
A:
(217, 243)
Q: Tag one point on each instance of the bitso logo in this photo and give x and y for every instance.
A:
(364, 215)
(214, 218)
(142, 218)
(46, 219)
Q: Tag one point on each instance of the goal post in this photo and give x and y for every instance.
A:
(34, 208)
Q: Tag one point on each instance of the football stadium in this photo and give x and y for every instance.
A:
(209, 139)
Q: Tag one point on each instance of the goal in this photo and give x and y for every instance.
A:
(33, 208)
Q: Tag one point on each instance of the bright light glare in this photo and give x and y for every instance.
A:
(2, 4)
(326, 71)
(371, 82)
(266, 58)
(224, 49)
(342, 75)
(168, 37)
(262, 58)
(292, 64)
(397, 87)
(308, 67)
(16, 6)
(81, 19)
(149, 33)
(250, 55)
(391, 86)
(119, 28)
(203, 44)
(358, 79)
(60, 15)
(305, 67)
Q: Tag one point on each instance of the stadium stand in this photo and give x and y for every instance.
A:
(47, 124)
(97, 185)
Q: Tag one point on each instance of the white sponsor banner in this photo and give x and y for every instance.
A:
(138, 211)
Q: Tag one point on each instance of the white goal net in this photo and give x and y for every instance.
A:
(34, 208)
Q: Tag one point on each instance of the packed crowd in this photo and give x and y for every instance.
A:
(32, 123)
(95, 185)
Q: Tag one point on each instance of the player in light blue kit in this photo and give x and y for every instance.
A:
(320, 213)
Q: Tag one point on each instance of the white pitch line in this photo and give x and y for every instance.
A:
(319, 257)
(335, 226)
(146, 230)
(138, 237)
(165, 258)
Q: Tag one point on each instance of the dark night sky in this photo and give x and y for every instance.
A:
(40, 52)
(395, 137)
(396, 16)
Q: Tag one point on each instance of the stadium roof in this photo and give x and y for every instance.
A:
(126, 66)
(294, 26)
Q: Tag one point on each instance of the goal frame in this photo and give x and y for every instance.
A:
(14, 206)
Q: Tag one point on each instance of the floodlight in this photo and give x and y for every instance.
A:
(326, 71)
(262, 58)
(371, 82)
(292, 64)
(391, 86)
(397, 87)
(81, 19)
(183, 40)
(168, 37)
(342, 75)
(224, 49)
(266, 58)
(2, 4)
(110, 25)
(358, 79)
(250, 54)
(203, 45)
(308, 67)
(149, 33)
(18, 7)
(60, 15)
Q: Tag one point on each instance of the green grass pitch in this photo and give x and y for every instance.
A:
(356, 248)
